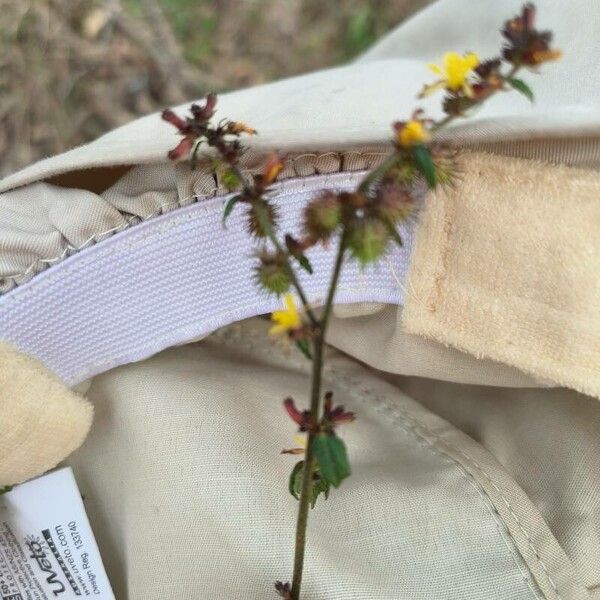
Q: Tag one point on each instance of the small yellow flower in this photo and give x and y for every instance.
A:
(286, 320)
(454, 74)
(410, 133)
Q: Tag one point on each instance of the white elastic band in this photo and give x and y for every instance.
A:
(172, 279)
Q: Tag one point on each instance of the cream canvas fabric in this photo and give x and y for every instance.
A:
(495, 498)
(428, 513)
(548, 441)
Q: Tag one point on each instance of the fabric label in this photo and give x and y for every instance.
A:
(47, 548)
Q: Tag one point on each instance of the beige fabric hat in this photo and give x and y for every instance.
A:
(472, 479)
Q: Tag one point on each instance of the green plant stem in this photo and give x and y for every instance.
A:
(378, 172)
(315, 406)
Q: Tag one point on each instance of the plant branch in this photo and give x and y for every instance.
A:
(380, 171)
(268, 227)
(315, 405)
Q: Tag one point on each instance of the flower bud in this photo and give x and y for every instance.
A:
(526, 45)
(284, 590)
(322, 216)
(367, 239)
(207, 110)
(272, 272)
(260, 211)
(393, 203)
(272, 167)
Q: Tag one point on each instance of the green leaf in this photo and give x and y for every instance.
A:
(304, 347)
(295, 483)
(319, 485)
(304, 263)
(330, 453)
(229, 206)
(5, 489)
(424, 163)
(521, 86)
(194, 155)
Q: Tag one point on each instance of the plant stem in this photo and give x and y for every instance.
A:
(377, 172)
(315, 405)
(267, 226)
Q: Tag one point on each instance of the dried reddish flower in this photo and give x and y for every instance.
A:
(489, 80)
(526, 45)
(302, 419)
(170, 117)
(337, 415)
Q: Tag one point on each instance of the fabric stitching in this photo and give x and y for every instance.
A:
(415, 425)
(412, 423)
(142, 237)
(407, 422)
(16, 279)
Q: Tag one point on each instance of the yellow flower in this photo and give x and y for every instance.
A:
(410, 133)
(454, 73)
(286, 320)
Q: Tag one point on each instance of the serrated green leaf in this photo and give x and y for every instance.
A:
(229, 206)
(304, 263)
(424, 163)
(522, 87)
(295, 482)
(304, 347)
(330, 452)
(319, 486)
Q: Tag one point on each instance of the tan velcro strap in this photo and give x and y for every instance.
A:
(41, 420)
(507, 266)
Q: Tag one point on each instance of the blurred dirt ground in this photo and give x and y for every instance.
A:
(72, 69)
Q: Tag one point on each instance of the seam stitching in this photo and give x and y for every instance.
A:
(163, 229)
(402, 418)
(414, 425)
(294, 163)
